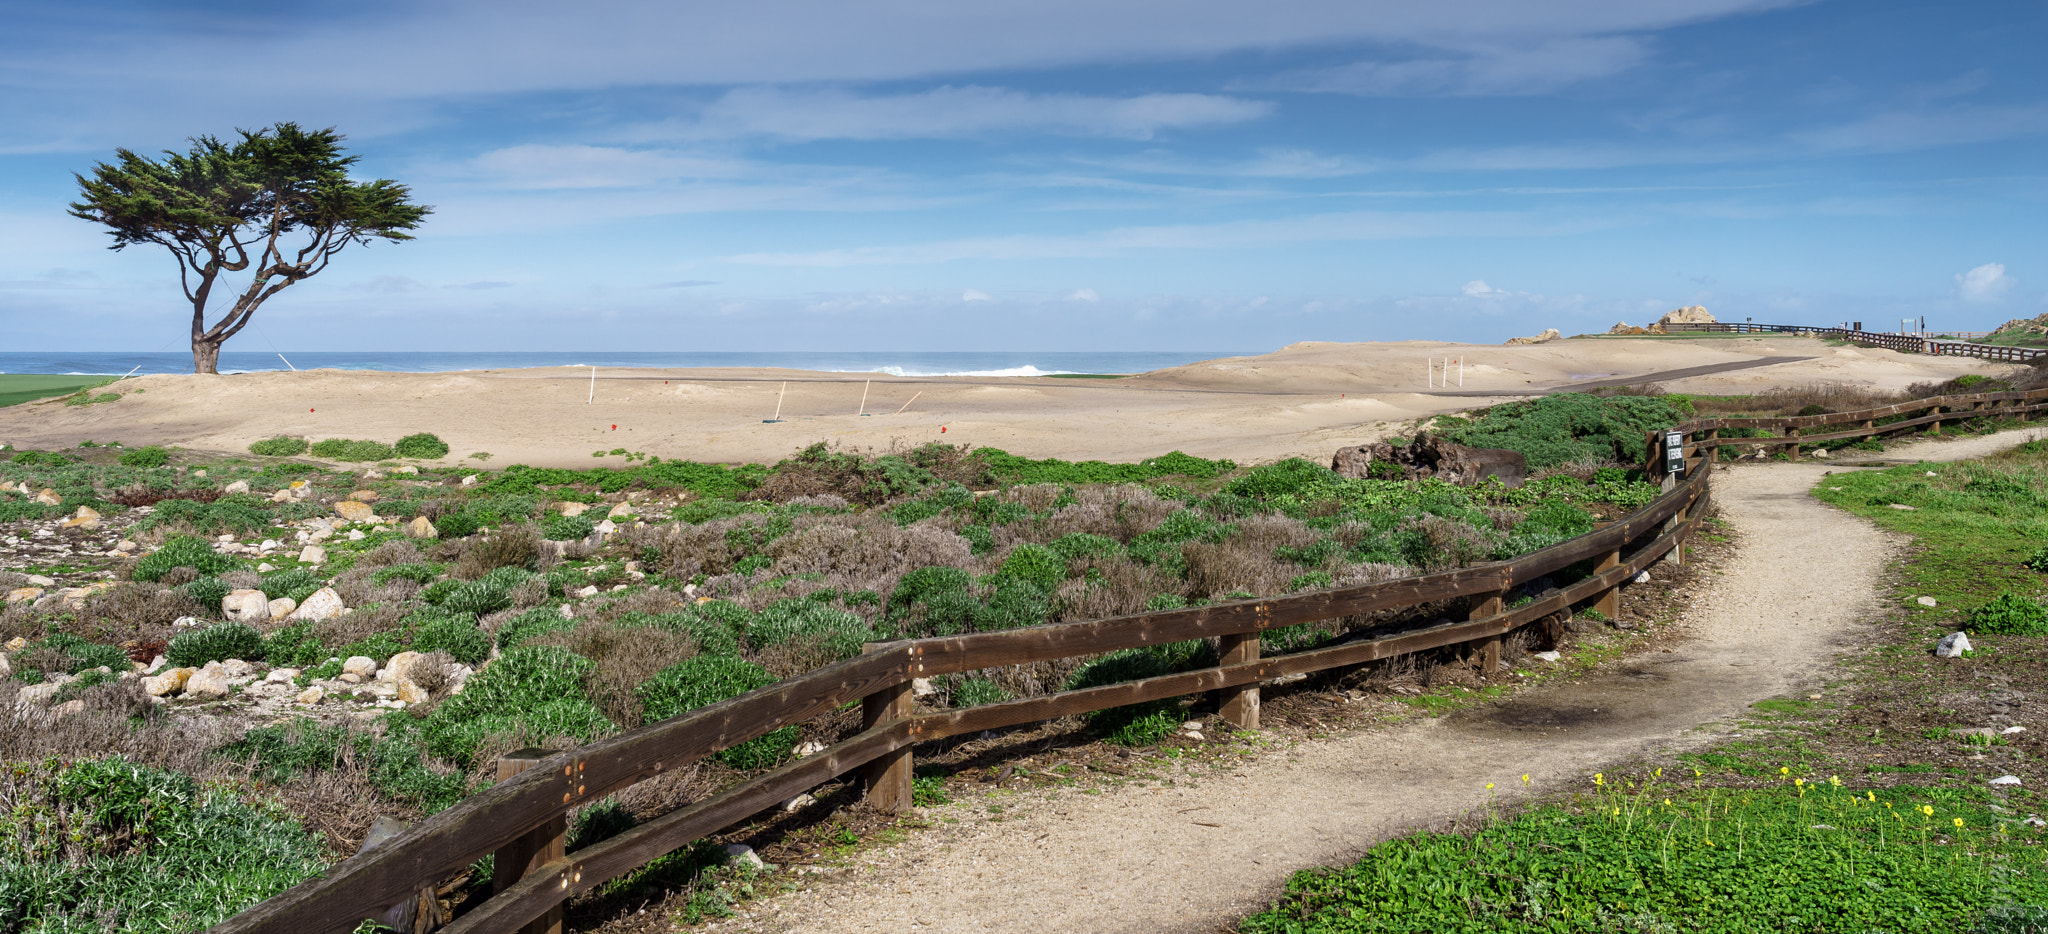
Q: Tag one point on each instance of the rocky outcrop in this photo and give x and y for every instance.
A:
(1623, 327)
(1432, 456)
(1690, 314)
(1548, 335)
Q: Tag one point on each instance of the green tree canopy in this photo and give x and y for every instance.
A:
(278, 203)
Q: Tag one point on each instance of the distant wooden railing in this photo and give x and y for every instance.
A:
(1904, 343)
(522, 819)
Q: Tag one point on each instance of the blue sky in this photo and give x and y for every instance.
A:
(1060, 175)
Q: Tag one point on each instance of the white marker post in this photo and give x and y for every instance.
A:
(593, 388)
(864, 398)
(1461, 372)
(778, 406)
(913, 398)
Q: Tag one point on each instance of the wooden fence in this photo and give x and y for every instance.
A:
(523, 818)
(1904, 343)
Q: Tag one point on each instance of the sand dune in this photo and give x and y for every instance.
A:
(1306, 399)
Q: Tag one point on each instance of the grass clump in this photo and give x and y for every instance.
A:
(280, 446)
(2010, 614)
(214, 643)
(145, 457)
(184, 551)
(342, 449)
(104, 844)
(422, 446)
(708, 679)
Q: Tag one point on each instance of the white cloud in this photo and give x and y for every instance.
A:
(974, 295)
(1083, 295)
(1479, 70)
(541, 166)
(951, 112)
(1479, 287)
(1986, 283)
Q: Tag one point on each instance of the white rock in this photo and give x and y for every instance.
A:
(799, 802)
(606, 528)
(323, 604)
(1933, 474)
(360, 666)
(186, 622)
(922, 687)
(590, 591)
(1548, 656)
(245, 606)
(1642, 577)
(1903, 506)
(239, 486)
(356, 535)
(282, 607)
(740, 854)
(320, 534)
(281, 496)
(407, 469)
(237, 668)
(124, 546)
(1819, 452)
(1952, 645)
(265, 568)
(2005, 780)
(469, 480)
(209, 683)
(310, 696)
(38, 580)
(810, 748)
(2014, 729)
(1925, 601)
(281, 675)
(269, 544)
(313, 554)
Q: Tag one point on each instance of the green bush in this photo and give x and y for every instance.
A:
(415, 572)
(837, 631)
(456, 635)
(567, 528)
(477, 598)
(146, 457)
(534, 689)
(974, 692)
(215, 643)
(342, 449)
(295, 584)
(208, 592)
(40, 459)
(236, 514)
(81, 655)
(708, 679)
(1567, 427)
(535, 622)
(184, 551)
(1150, 721)
(294, 646)
(2009, 614)
(2038, 561)
(1034, 564)
(422, 446)
(1274, 480)
(123, 847)
(280, 446)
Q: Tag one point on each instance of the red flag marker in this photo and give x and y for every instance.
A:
(615, 428)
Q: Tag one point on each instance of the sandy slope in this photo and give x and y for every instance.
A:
(1142, 860)
(1306, 399)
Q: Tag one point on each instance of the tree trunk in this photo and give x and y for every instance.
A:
(205, 356)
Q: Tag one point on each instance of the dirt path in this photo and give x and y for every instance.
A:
(1194, 857)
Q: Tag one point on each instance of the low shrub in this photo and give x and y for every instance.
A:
(708, 679)
(280, 446)
(146, 457)
(237, 514)
(974, 692)
(294, 646)
(422, 446)
(183, 551)
(215, 643)
(2009, 614)
(123, 847)
(1567, 427)
(207, 592)
(456, 635)
(567, 528)
(342, 449)
(535, 622)
(533, 691)
(70, 655)
(1144, 723)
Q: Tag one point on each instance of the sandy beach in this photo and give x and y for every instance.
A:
(1306, 399)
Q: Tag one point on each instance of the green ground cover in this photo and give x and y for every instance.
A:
(16, 388)
(1865, 811)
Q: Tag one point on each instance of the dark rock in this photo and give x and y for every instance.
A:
(1432, 456)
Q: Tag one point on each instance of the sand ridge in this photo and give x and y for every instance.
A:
(1303, 400)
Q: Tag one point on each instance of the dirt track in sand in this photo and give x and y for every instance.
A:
(1802, 583)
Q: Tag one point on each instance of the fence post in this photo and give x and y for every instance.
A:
(1487, 654)
(1609, 604)
(1240, 707)
(1792, 451)
(1934, 428)
(540, 846)
(887, 778)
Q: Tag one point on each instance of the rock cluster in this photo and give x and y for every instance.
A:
(1548, 335)
(1690, 314)
(1433, 456)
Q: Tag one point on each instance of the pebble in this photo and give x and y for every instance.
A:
(1926, 601)
(2005, 780)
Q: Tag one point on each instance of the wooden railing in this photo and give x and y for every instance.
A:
(1904, 343)
(522, 819)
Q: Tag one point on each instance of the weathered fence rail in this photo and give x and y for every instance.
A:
(522, 819)
(1904, 343)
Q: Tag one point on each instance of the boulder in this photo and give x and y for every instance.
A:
(1623, 327)
(569, 509)
(364, 496)
(2005, 780)
(237, 668)
(49, 498)
(399, 668)
(419, 527)
(743, 856)
(605, 529)
(40, 693)
(86, 518)
(1926, 601)
(359, 665)
(209, 683)
(323, 604)
(354, 510)
(410, 693)
(407, 469)
(24, 594)
(1548, 335)
(313, 554)
(282, 607)
(245, 606)
(1952, 645)
(310, 696)
(1691, 314)
(469, 480)
(282, 496)
(620, 511)
(239, 486)
(1432, 456)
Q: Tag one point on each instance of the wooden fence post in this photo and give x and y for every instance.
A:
(1609, 604)
(1934, 427)
(1487, 654)
(540, 846)
(887, 779)
(1240, 707)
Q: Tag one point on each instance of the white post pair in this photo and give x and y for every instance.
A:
(1431, 373)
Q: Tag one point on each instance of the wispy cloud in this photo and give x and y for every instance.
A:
(1984, 284)
(1475, 71)
(950, 112)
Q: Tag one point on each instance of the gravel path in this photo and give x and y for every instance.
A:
(1196, 856)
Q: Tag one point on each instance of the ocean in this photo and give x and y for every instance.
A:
(896, 363)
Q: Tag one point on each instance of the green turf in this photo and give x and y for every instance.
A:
(16, 388)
